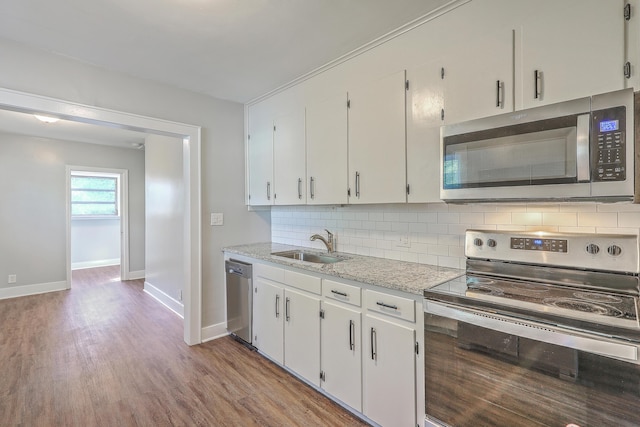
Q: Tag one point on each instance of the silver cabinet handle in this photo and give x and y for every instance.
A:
(268, 190)
(286, 309)
(374, 344)
(299, 188)
(342, 294)
(499, 99)
(358, 184)
(537, 80)
(311, 187)
(277, 306)
(352, 332)
(382, 304)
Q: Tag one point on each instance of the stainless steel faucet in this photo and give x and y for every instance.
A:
(327, 242)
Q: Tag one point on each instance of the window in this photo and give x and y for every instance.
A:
(94, 194)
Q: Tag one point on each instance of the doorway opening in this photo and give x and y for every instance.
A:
(98, 215)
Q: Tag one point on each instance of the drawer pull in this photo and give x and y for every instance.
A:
(342, 294)
(381, 304)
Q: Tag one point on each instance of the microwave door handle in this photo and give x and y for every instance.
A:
(582, 148)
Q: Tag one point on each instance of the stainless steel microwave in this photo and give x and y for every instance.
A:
(582, 149)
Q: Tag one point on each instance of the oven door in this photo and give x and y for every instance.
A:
(541, 153)
(482, 369)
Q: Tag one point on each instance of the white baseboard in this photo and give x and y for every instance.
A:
(164, 299)
(40, 288)
(134, 275)
(213, 332)
(96, 263)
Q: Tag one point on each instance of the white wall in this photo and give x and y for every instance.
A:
(95, 242)
(436, 230)
(42, 73)
(33, 209)
(164, 267)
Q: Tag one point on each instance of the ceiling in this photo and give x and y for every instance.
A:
(230, 49)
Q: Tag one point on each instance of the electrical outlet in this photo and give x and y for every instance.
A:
(404, 241)
(217, 218)
(12, 278)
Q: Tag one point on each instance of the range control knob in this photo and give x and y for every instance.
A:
(592, 248)
(477, 242)
(614, 250)
(491, 243)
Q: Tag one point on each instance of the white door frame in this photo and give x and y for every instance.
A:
(123, 203)
(192, 292)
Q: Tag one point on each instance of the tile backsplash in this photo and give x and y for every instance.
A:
(433, 233)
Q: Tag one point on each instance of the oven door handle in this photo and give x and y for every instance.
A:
(535, 331)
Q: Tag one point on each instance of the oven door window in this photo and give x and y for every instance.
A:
(526, 154)
(480, 377)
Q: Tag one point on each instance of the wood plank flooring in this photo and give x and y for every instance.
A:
(106, 354)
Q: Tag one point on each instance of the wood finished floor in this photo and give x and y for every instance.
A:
(106, 354)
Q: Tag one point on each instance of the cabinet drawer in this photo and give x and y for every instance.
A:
(302, 281)
(268, 272)
(391, 305)
(341, 292)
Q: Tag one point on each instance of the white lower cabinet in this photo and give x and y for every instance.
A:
(302, 335)
(341, 353)
(286, 319)
(389, 360)
(268, 332)
(358, 345)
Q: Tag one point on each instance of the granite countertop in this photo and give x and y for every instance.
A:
(403, 276)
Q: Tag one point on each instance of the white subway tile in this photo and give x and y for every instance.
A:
(497, 218)
(632, 230)
(629, 219)
(472, 218)
(383, 226)
(391, 216)
(428, 259)
(437, 250)
(543, 208)
(618, 207)
(438, 228)
(428, 217)
(511, 208)
(448, 218)
(418, 227)
(400, 227)
(598, 219)
(577, 230)
(526, 218)
(409, 217)
(560, 219)
(410, 257)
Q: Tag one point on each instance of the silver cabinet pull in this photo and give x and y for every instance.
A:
(374, 344)
(537, 80)
(382, 304)
(299, 188)
(277, 306)
(499, 98)
(358, 185)
(342, 294)
(311, 187)
(352, 332)
(286, 309)
(268, 190)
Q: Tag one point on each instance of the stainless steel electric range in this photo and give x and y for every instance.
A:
(541, 330)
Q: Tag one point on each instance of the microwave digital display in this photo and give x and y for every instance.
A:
(609, 125)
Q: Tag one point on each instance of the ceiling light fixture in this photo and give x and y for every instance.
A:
(46, 119)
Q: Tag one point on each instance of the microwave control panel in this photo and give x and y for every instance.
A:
(608, 146)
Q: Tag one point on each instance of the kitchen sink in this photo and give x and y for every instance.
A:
(308, 257)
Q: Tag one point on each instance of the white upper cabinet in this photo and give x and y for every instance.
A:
(377, 149)
(326, 129)
(260, 162)
(569, 49)
(478, 77)
(425, 106)
(289, 159)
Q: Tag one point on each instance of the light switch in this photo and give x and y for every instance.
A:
(217, 218)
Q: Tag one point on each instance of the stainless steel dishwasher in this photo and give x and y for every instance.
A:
(239, 299)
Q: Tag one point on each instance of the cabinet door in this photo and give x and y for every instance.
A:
(389, 382)
(341, 354)
(377, 150)
(289, 159)
(326, 128)
(576, 47)
(302, 335)
(425, 103)
(478, 77)
(260, 147)
(268, 318)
